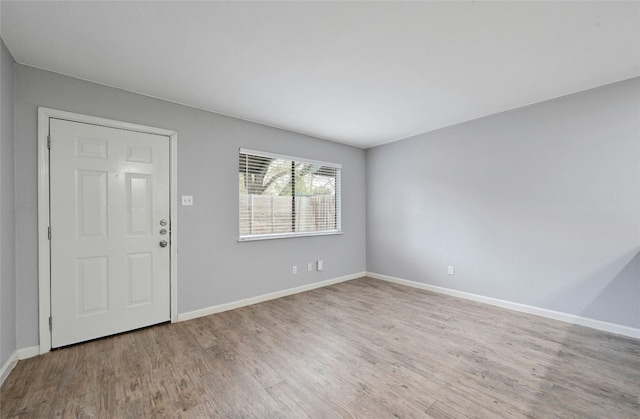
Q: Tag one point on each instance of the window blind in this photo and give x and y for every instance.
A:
(284, 196)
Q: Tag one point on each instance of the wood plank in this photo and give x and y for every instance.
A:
(362, 348)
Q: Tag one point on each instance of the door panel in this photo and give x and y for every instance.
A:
(139, 205)
(91, 195)
(92, 282)
(139, 278)
(109, 191)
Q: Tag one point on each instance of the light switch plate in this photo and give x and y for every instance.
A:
(187, 200)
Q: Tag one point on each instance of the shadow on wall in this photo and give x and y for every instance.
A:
(610, 294)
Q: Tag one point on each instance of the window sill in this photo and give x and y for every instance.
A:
(288, 235)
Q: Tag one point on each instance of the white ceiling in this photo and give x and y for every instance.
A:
(360, 73)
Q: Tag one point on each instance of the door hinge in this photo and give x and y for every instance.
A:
(49, 141)
(49, 232)
(50, 323)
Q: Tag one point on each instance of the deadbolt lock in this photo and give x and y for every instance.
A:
(163, 243)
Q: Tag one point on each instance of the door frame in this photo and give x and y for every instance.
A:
(44, 244)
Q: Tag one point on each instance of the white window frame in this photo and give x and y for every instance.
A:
(270, 236)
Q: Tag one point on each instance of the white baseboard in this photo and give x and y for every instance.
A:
(543, 312)
(265, 297)
(17, 355)
(29, 352)
(8, 367)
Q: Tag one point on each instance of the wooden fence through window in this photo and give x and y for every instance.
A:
(265, 214)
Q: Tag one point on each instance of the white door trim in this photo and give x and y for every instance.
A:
(44, 261)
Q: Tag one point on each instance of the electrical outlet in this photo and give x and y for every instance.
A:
(294, 270)
(187, 200)
(451, 270)
(319, 264)
(310, 266)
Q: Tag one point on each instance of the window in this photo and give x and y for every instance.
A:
(283, 196)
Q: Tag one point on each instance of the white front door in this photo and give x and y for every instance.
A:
(110, 233)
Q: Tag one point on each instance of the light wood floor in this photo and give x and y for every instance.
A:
(363, 348)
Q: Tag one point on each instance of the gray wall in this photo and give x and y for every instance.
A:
(539, 206)
(213, 268)
(8, 343)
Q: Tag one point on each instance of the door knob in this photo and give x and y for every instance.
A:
(163, 243)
